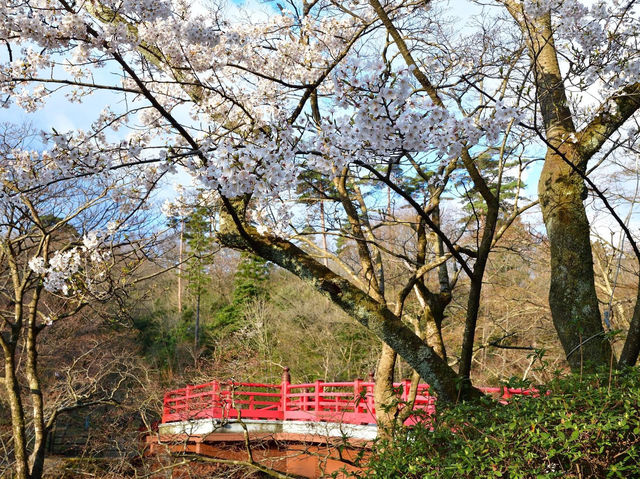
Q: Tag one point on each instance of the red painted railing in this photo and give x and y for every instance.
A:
(343, 402)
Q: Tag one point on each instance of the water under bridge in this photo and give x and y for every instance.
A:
(309, 429)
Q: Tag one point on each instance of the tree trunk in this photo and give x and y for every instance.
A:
(429, 325)
(468, 337)
(572, 293)
(433, 332)
(631, 349)
(428, 328)
(36, 460)
(323, 227)
(196, 335)
(385, 400)
(17, 415)
(475, 291)
(180, 267)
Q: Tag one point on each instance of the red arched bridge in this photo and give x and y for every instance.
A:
(220, 419)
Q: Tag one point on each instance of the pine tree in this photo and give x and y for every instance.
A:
(200, 242)
(249, 285)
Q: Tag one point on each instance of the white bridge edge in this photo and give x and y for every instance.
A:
(202, 427)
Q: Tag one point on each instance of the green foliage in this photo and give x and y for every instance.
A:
(313, 187)
(160, 334)
(584, 428)
(249, 285)
(489, 166)
(200, 241)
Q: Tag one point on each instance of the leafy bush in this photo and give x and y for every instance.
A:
(586, 427)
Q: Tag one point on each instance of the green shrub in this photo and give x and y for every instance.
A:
(586, 427)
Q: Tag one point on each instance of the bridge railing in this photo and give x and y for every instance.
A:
(223, 400)
(347, 402)
(344, 402)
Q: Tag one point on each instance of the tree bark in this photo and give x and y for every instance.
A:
(475, 291)
(631, 348)
(17, 413)
(180, 251)
(572, 293)
(36, 459)
(433, 331)
(561, 190)
(385, 400)
(429, 325)
(473, 309)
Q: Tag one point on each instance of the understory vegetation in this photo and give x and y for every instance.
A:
(583, 427)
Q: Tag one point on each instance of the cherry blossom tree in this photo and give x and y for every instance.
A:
(387, 94)
(65, 244)
(598, 44)
(260, 134)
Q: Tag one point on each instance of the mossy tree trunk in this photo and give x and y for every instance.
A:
(18, 427)
(631, 349)
(561, 189)
(235, 233)
(572, 293)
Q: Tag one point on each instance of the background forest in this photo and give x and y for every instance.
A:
(256, 318)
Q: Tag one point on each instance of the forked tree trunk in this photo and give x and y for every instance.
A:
(561, 190)
(428, 328)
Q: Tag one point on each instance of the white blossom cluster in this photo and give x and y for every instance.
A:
(142, 10)
(79, 155)
(601, 37)
(235, 88)
(274, 217)
(262, 167)
(65, 268)
(388, 117)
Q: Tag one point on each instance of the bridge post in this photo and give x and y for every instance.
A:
(305, 399)
(215, 398)
(370, 397)
(187, 403)
(406, 388)
(284, 391)
(319, 391)
(166, 410)
(357, 398)
(506, 394)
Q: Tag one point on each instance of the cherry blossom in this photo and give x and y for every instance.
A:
(229, 101)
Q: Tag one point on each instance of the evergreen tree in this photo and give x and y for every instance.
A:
(200, 242)
(489, 165)
(249, 285)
